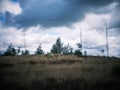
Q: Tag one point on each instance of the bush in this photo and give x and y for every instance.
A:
(78, 53)
(11, 51)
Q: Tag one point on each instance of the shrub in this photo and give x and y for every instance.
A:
(78, 53)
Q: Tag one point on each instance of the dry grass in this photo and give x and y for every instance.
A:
(59, 72)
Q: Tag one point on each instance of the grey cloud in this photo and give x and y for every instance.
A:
(56, 12)
(115, 19)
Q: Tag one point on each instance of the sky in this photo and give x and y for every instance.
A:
(43, 21)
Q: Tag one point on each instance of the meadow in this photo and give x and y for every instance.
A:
(59, 72)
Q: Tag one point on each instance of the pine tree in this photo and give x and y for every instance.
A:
(57, 48)
(39, 50)
(67, 50)
(26, 52)
(10, 50)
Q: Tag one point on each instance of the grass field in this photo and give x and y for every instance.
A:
(59, 72)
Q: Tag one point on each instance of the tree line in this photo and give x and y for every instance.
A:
(57, 48)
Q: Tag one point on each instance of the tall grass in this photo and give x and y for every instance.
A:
(59, 72)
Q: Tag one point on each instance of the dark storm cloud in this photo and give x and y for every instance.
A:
(115, 19)
(50, 13)
(56, 12)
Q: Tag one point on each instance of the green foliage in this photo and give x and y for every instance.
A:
(18, 51)
(39, 50)
(26, 52)
(57, 47)
(10, 51)
(78, 53)
(67, 50)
